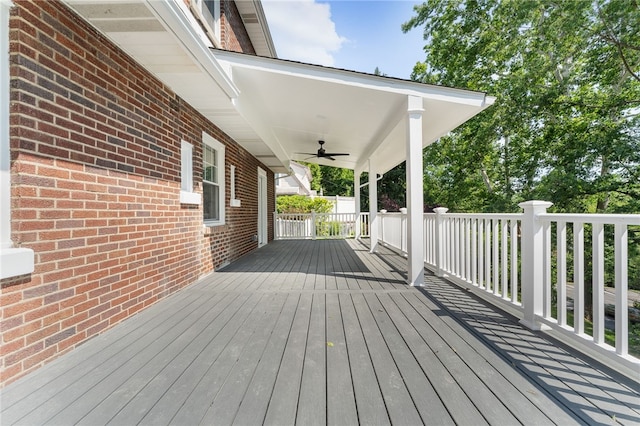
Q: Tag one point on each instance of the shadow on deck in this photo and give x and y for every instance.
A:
(320, 332)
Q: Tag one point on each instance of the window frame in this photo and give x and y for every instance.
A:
(187, 194)
(201, 10)
(211, 142)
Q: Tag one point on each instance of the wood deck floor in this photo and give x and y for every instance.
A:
(320, 332)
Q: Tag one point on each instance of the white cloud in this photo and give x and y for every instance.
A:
(302, 30)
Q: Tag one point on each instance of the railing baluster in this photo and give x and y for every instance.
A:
(561, 282)
(487, 254)
(546, 262)
(481, 253)
(578, 277)
(456, 247)
(447, 245)
(467, 242)
(514, 261)
(505, 262)
(496, 257)
(474, 252)
(598, 282)
(621, 282)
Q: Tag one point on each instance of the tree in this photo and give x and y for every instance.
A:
(565, 125)
(331, 180)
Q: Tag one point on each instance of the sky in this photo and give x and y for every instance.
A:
(357, 35)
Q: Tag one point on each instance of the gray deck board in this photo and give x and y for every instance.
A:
(284, 398)
(341, 404)
(400, 405)
(253, 406)
(320, 332)
(313, 388)
(507, 387)
(368, 396)
(429, 404)
(165, 374)
(203, 394)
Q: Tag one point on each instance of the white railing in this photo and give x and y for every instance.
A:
(525, 262)
(319, 225)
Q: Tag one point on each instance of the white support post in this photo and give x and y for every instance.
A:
(439, 211)
(532, 263)
(373, 208)
(415, 204)
(356, 194)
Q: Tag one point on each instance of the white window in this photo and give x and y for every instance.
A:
(187, 196)
(208, 13)
(213, 185)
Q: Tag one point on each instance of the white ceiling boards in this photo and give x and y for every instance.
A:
(298, 104)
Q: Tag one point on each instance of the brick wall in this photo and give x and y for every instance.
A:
(232, 31)
(95, 145)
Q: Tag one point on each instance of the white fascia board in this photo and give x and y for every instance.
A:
(354, 78)
(174, 18)
(251, 113)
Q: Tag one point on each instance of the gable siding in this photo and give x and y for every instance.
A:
(95, 149)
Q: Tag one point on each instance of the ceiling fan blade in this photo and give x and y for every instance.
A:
(334, 154)
(329, 157)
(307, 153)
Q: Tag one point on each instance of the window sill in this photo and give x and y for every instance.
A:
(190, 198)
(209, 227)
(15, 262)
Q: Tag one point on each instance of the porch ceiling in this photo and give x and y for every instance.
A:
(273, 108)
(293, 105)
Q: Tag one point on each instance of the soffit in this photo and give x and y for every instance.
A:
(364, 115)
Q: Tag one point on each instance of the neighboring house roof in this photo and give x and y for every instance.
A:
(276, 109)
(297, 182)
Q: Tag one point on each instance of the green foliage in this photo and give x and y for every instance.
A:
(331, 180)
(328, 228)
(565, 126)
(302, 204)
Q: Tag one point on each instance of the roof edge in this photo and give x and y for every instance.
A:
(384, 83)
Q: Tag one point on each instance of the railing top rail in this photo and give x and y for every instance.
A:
(480, 215)
(607, 219)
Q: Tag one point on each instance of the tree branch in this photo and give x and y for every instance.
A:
(612, 38)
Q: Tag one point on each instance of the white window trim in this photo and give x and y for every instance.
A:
(211, 36)
(187, 195)
(218, 146)
(14, 261)
(232, 187)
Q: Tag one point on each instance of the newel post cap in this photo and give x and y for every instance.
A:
(536, 205)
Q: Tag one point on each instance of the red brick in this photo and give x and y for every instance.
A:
(20, 308)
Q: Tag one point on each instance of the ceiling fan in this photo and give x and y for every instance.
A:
(323, 154)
